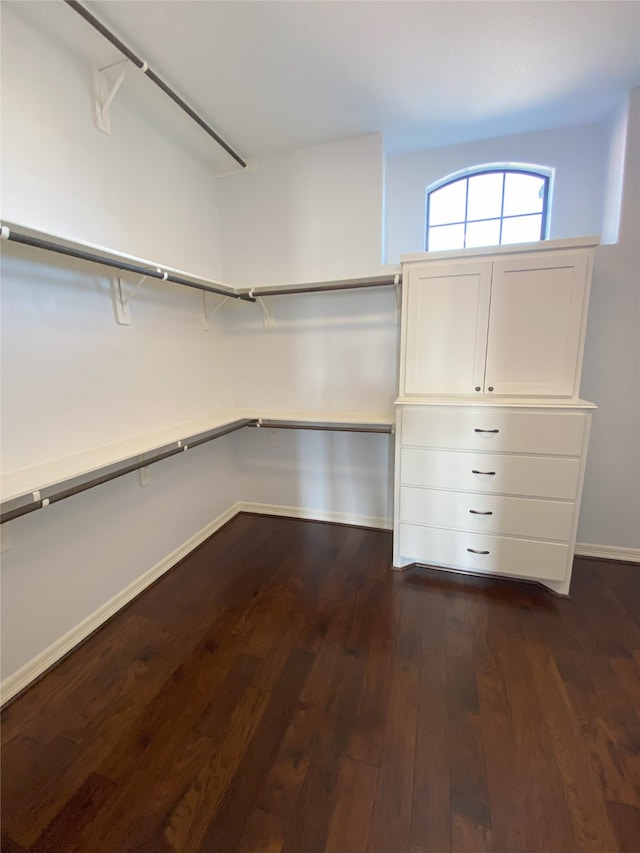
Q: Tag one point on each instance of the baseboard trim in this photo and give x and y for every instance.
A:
(317, 515)
(36, 667)
(608, 552)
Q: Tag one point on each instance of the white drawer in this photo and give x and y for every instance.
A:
(548, 433)
(484, 513)
(523, 558)
(537, 476)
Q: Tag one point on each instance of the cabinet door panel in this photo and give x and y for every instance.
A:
(446, 310)
(535, 324)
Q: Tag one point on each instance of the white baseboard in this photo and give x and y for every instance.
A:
(607, 552)
(317, 515)
(13, 684)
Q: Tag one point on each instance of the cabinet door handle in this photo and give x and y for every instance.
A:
(473, 551)
(489, 473)
(486, 430)
(477, 512)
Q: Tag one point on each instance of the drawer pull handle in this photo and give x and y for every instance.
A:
(489, 473)
(473, 551)
(486, 430)
(477, 512)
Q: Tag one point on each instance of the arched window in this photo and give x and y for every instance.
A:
(488, 206)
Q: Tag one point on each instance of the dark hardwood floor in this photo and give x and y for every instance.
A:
(282, 690)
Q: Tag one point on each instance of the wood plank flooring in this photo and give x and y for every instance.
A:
(282, 690)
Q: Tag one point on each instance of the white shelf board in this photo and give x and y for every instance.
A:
(14, 484)
(356, 418)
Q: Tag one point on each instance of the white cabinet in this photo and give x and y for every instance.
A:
(490, 489)
(491, 437)
(509, 325)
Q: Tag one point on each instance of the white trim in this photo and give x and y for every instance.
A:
(317, 515)
(13, 684)
(607, 552)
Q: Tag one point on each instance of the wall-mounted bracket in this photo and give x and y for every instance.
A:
(145, 475)
(121, 302)
(104, 91)
(397, 289)
(266, 309)
(205, 317)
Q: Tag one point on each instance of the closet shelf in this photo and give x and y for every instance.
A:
(326, 421)
(28, 489)
(386, 280)
(93, 253)
(59, 244)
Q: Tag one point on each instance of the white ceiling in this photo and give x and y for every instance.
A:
(271, 76)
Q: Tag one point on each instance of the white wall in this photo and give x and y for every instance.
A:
(309, 215)
(335, 476)
(578, 155)
(312, 215)
(331, 352)
(131, 191)
(611, 376)
(71, 378)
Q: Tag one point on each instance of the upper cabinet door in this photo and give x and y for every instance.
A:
(536, 325)
(445, 319)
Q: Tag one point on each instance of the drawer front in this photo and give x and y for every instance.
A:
(548, 433)
(487, 513)
(536, 476)
(523, 558)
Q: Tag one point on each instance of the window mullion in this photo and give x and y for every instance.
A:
(504, 175)
(466, 211)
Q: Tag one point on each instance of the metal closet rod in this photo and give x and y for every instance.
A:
(321, 287)
(143, 66)
(8, 233)
(274, 423)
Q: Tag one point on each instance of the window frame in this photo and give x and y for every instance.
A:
(541, 172)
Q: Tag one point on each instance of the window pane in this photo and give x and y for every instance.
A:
(447, 204)
(522, 229)
(485, 196)
(522, 194)
(446, 237)
(483, 233)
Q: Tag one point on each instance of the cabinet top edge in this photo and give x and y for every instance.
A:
(506, 403)
(513, 249)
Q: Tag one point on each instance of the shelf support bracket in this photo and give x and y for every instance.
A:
(397, 289)
(206, 318)
(121, 302)
(103, 94)
(266, 309)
